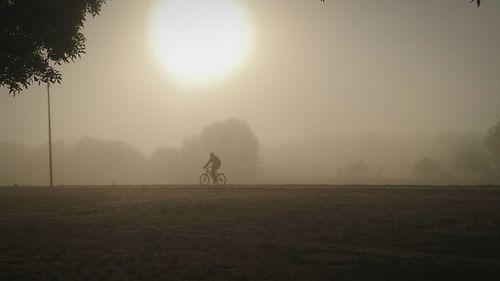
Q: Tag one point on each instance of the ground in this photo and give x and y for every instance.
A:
(250, 233)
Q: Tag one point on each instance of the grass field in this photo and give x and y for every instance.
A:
(250, 233)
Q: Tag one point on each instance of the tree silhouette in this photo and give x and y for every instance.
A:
(234, 142)
(427, 168)
(38, 35)
(169, 165)
(357, 170)
(492, 143)
(470, 162)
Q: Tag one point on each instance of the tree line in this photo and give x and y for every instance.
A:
(92, 161)
(448, 159)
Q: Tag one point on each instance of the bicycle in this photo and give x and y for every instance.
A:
(206, 178)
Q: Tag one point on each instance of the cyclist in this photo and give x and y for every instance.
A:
(215, 164)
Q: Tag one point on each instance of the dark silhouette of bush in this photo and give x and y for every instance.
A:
(427, 169)
(355, 170)
(470, 163)
(492, 144)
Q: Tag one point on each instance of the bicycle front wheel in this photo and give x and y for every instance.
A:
(204, 179)
(221, 179)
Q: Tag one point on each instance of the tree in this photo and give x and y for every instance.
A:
(470, 162)
(357, 169)
(492, 144)
(168, 165)
(232, 140)
(94, 161)
(235, 143)
(477, 1)
(38, 35)
(427, 168)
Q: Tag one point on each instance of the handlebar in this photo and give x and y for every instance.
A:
(208, 169)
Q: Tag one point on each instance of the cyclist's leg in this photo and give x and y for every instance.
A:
(213, 174)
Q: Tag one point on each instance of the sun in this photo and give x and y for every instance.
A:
(199, 43)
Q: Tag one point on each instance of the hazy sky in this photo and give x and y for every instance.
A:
(343, 68)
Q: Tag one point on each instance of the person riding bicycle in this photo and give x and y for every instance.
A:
(215, 164)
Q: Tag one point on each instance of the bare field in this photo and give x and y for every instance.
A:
(250, 233)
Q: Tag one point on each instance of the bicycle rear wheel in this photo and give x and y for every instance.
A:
(221, 179)
(204, 179)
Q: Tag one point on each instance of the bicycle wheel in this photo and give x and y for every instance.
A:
(221, 179)
(204, 179)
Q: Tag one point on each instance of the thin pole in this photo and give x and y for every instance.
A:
(50, 138)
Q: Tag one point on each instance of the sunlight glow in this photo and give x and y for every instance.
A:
(198, 43)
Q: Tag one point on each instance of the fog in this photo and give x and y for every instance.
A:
(320, 159)
(386, 91)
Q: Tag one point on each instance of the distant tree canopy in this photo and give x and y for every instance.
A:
(470, 162)
(357, 169)
(492, 143)
(232, 140)
(236, 144)
(37, 35)
(427, 168)
(88, 161)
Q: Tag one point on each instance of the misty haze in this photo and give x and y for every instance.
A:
(249, 140)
